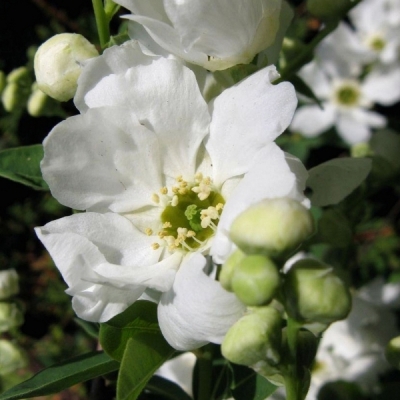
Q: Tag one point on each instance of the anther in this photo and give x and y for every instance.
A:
(164, 190)
(156, 198)
(148, 231)
(155, 246)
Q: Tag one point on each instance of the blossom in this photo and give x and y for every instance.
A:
(213, 34)
(162, 175)
(346, 103)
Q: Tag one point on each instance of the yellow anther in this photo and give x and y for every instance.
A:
(155, 246)
(191, 234)
(219, 206)
(155, 197)
(183, 190)
(207, 180)
(174, 201)
(179, 178)
(148, 231)
(164, 190)
(175, 189)
(183, 184)
(198, 177)
(167, 225)
(162, 234)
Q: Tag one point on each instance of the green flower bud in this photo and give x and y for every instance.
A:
(58, 63)
(392, 352)
(10, 316)
(329, 9)
(12, 357)
(11, 97)
(19, 75)
(314, 293)
(361, 150)
(272, 227)
(225, 276)
(255, 280)
(8, 283)
(254, 338)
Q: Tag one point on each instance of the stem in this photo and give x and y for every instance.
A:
(292, 386)
(101, 22)
(205, 375)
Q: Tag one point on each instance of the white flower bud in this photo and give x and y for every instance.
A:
(10, 316)
(392, 352)
(58, 64)
(8, 283)
(314, 293)
(12, 357)
(225, 276)
(255, 280)
(272, 227)
(254, 338)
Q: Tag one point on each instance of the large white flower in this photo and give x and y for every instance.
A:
(215, 34)
(346, 104)
(162, 175)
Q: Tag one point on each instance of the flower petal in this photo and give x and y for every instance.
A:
(246, 118)
(166, 99)
(197, 310)
(102, 159)
(81, 242)
(311, 121)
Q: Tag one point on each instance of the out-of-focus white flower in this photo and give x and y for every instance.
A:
(10, 316)
(58, 64)
(345, 105)
(162, 176)
(8, 283)
(11, 357)
(213, 34)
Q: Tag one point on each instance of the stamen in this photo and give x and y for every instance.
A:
(155, 246)
(164, 190)
(155, 197)
(167, 224)
(148, 231)
(174, 201)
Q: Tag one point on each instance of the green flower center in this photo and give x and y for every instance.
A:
(191, 214)
(377, 43)
(347, 95)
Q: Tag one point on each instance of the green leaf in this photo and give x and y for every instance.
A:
(302, 88)
(138, 319)
(249, 385)
(166, 389)
(63, 375)
(335, 179)
(143, 355)
(22, 165)
(334, 228)
(386, 144)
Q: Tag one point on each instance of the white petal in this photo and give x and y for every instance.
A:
(269, 177)
(315, 76)
(197, 310)
(79, 243)
(115, 60)
(102, 159)
(246, 118)
(382, 85)
(167, 100)
(311, 120)
(152, 9)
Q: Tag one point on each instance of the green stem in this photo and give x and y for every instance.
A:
(205, 374)
(101, 22)
(292, 387)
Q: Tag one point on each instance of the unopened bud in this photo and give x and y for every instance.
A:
(8, 283)
(19, 75)
(392, 352)
(255, 337)
(226, 274)
(58, 64)
(255, 280)
(10, 316)
(2, 81)
(41, 105)
(12, 357)
(272, 227)
(314, 293)
(329, 9)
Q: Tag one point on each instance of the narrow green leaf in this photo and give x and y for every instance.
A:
(22, 165)
(302, 88)
(335, 179)
(139, 318)
(143, 355)
(63, 375)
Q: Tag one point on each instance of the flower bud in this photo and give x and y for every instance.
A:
(225, 276)
(10, 316)
(19, 75)
(328, 9)
(2, 81)
(11, 357)
(254, 338)
(314, 293)
(58, 63)
(41, 105)
(272, 227)
(392, 352)
(255, 280)
(8, 283)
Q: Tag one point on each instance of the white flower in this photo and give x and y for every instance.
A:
(215, 34)
(162, 175)
(345, 101)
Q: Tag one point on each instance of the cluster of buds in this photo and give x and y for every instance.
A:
(309, 292)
